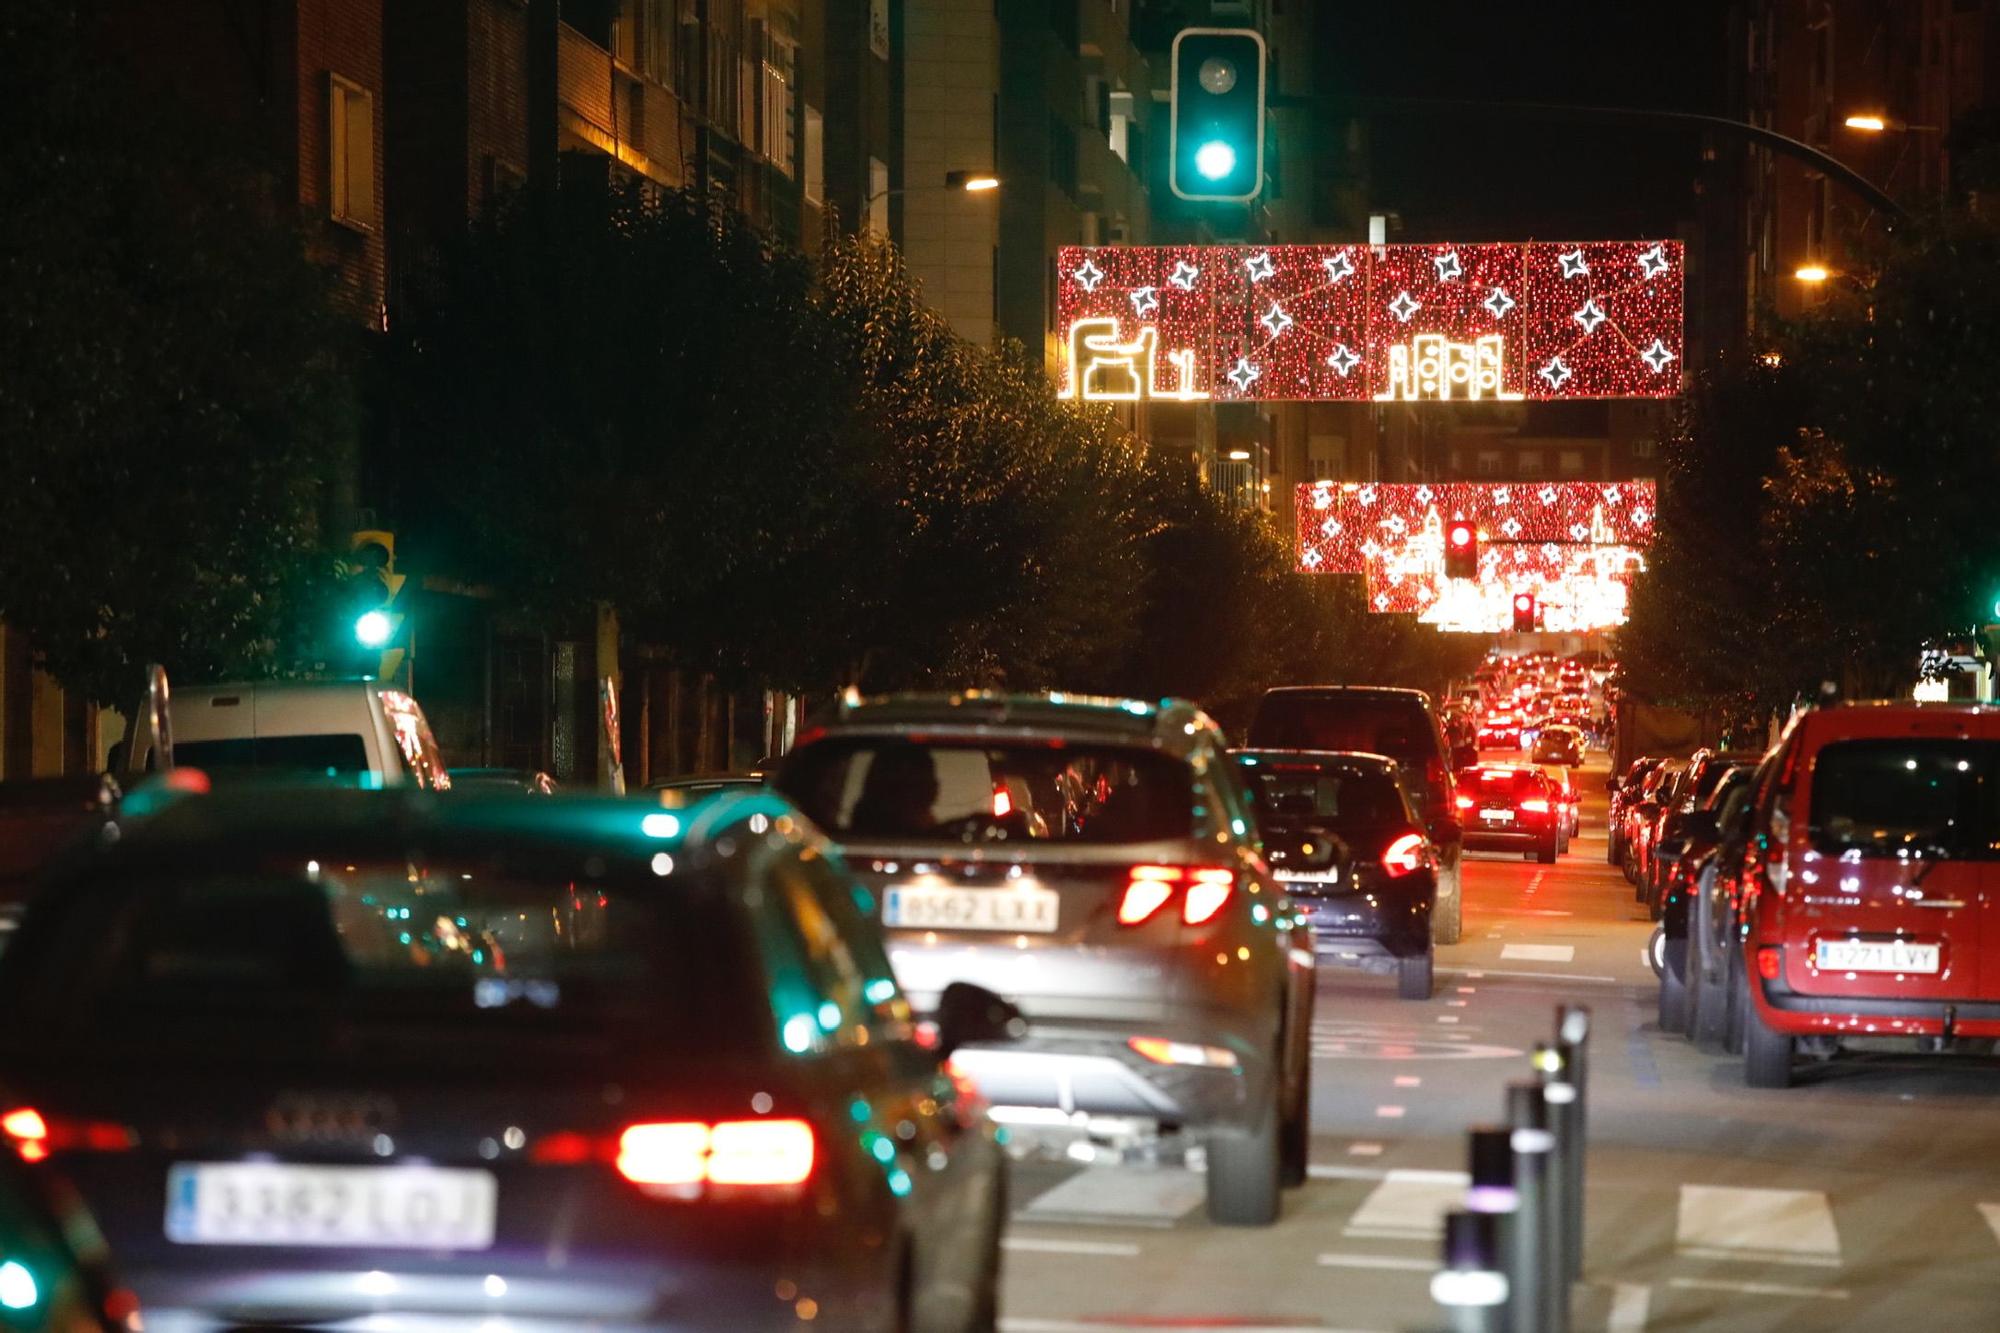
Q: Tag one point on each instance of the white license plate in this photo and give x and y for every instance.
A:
(1875, 956)
(1012, 909)
(1498, 816)
(363, 1207)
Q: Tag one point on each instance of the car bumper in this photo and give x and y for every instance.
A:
(1358, 926)
(1078, 1070)
(1485, 838)
(1785, 1010)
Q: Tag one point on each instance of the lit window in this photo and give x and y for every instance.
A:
(351, 176)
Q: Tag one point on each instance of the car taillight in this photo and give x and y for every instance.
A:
(1535, 805)
(1003, 804)
(1464, 802)
(1770, 962)
(1207, 892)
(1405, 856)
(683, 1158)
(34, 1137)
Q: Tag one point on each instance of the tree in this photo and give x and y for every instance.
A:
(174, 399)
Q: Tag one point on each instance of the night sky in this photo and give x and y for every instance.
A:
(1468, 175)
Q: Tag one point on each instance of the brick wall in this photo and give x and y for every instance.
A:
(341, 37)
(496, 58)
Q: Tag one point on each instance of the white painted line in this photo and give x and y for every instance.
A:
(1788, 1226)
(1328, 1171)
(1631, 1304)
(1468, 990)
(1364, 1150)
(1386, 1261)
(1541, 911)
(1471, 974)
(1100, 1248)
(1447, 1018)
(1539, 953)
(1408, 1205)
(1389, 1112)
(1456, 1004)
(1989, 1211)
(1019, 1324)
(1544, 976)
(1412, 1081)
(1758, 1288)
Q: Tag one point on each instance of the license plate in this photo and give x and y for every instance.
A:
(1033, 911)
(1875, 956)
(1497, 816)
(362, 1207)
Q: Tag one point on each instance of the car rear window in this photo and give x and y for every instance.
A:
(431, 959)
(1372, 724)
(972, 791)
(1888, 796)
(1291, 794)
(334, 755)
(1501, 784)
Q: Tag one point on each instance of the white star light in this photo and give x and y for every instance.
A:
(1499, 303)
(1653, 262)
(1243, 374)
(1310, 559)
(1331, 527)
(1338, 266)
(1089, 275)
(1447, 266)
(1145, 300)
(1613, 494)
(1276, 320)
(1404, 307)
(1572, 262)
(1184, 275)
(1381, 601)
(1640, 516)
(1556, 373)
(1423, 494)
(1260, 266)
(1577, 532)
(1370, 549)
(1547, 495)
(1366, 495)
(1396, 524)
(1512, 527)
(1590, 316)
(1343, 360)
(1504, 495)
(1656, 357)
(1323, 498)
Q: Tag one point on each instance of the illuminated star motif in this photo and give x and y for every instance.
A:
(1656, 357)
(1243, 374)
(1613, 494)
(1512, 527)
(1550, 550)
(1184, 275)
(1577, 532)
(1641, 516)
(1370, 549)
(1505, 495)
(1572, 262)
(1547, 495)
(1343, 360)
(1366, 495)
(1310, 559)
(1499, 303)
(1556, 372)
(1381, 601)
(1260, 266)
(1145, 300)
(1338, 266)
(1276, 320)
(1322, 498)
(1653, 262)
(1089, 275)
(1590, 316)
(1447, 266)
(1396, 524)
(1330, 528)
(1423, 494)
(1404, 307)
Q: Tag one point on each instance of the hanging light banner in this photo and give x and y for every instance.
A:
(1574, 544)
(1354, 323)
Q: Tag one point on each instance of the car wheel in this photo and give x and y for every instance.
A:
(1416, 978)
(1673, 988)
(1244, 1171)
(1708, 1008)
(1735, 998)
(1448, 910)
(1767, 1055)
(1547, 855)
(1614, 849)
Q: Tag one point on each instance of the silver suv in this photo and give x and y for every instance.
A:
(1097, 862)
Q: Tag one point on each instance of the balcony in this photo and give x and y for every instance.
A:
(609, 107)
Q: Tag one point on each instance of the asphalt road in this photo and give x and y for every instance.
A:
(1869, 1198)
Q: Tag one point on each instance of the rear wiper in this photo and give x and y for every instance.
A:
(1934, 854)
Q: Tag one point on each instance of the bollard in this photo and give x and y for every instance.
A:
(1490, 1153)
(1565, 1160)
(1540, 1304)
(1573, 1040)
(1472, 1285)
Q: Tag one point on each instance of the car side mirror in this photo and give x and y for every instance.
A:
(969, 1014)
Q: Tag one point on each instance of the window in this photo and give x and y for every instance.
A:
(351, 116)
(1062, 155)
(814, 165)
(1529, 461)
(1642, 448)
(1119, 127)
(1488, 462)
(1892, 797)
(1569, 462)
(777, 76)
(877, 205)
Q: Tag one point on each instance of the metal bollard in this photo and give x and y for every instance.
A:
(1565, 1159)
(1541, 1303)
(1490, 1153)
(1573, 1040)
(1472, 1285)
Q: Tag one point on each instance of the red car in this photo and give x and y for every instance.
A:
(1512, 806)
(1500, 731)
(1868, 911)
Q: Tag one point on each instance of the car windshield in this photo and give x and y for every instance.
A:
(1300, 794)
(1888, 796)
(900, 788)
(341, 756)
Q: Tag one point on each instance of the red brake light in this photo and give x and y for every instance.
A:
(1404, 856)
(1147, 893)
(1464, 802)
(1151, 887)
(1207, 894)
(1535, 805)
(1003, 804)
(684, 1155)
(34, 1138)
(1769, 962)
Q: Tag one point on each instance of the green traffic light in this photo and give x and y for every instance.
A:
(1215, 159)
(18, 1288)
(372, 629)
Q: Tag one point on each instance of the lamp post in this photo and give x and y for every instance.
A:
(971, 182)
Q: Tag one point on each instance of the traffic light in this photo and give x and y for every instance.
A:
(1216, 128)
(1524, 613)
(1461, 550)
(377, 622)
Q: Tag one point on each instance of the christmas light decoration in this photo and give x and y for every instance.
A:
(1573, 546)
(1597, 319)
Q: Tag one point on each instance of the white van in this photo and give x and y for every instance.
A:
(356, 732)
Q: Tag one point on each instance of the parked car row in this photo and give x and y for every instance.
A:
(1834, 896)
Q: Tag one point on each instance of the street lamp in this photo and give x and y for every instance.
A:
(1870, 123)
(971, 182)
(1813, 273)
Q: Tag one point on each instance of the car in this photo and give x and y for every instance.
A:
(1559, 743)
(1512, 807)
(697, 785)
(1097, 862)
(56, 1274)
(1682, 860)
(1641, 817)
(1623, 790)
(1378, 719)
(1342, 838)
(40, 818)
(352, 732)
(1706, 769)
(1572, 804)
(1714, 921)
(528, 781)
(1870, 913)
(356, 1058)
(1500, 731)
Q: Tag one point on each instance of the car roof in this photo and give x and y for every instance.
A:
(1345, 758)
(1891, 718)
(1366, 691)
(275, 687)
(1168, 723)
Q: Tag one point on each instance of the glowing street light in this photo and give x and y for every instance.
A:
(1812, 273)
(1867, 124)
(972, 182)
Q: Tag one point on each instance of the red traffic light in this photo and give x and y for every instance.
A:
(1523, 602)
(1460, 535)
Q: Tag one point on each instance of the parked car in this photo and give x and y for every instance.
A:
(1559, 743)
(697, 785)
(1706, 769)
(1871, 913)
(1096, 861)
(1641, 813)
(1512, 807)
(1572, 804)
(1623, 791)
(1341, 836)
(1714, 922)
(488, 781)
(1682, 860)
(40, 818)
(1380, 720)
(365, 1058)
(355, 733)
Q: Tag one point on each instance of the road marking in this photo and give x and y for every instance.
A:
(1760, 1225)
(1363, 1150)
(1408, 1205)
(1101, 1248)
(1468, 990)
(1631, 1304)
(1989, 1211)
(1388, 1261)
(1412, 1081)
(1389, 1112)
(1456, 1004)
(1758, 1288)
(1539, 976)
(1540, 911)
(1329, 1171)
(1146, 1324)
(1473, 974)
(1539, 953)
(1447, 1018)
(1158, 1197)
